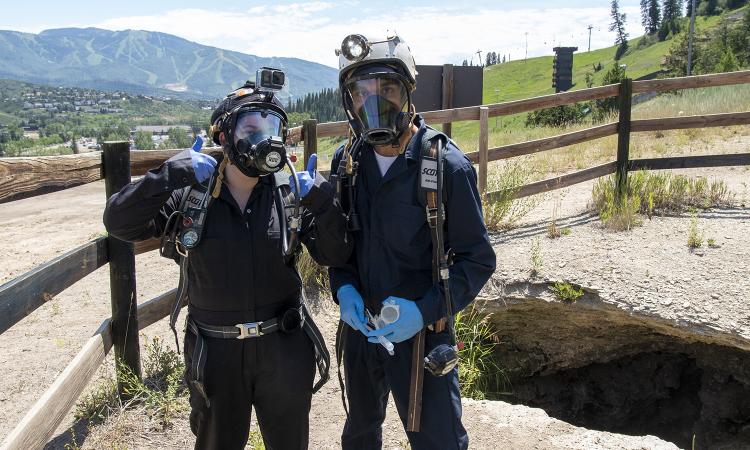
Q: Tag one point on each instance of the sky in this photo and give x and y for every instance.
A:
(437, 31)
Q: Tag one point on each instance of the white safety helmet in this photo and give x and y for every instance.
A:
(356, 50)
(376, 78)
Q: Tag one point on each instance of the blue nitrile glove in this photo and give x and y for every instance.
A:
(409, 322)
(203, 165)
(352, 307)
(306, 179)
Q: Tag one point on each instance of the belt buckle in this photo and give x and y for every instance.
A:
(249, 330)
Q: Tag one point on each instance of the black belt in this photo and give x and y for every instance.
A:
(255, 329)
(292, 320)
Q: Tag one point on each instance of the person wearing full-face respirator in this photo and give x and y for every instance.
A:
(235, 224)
(421, 254)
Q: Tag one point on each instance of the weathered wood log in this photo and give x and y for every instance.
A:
(31, 176)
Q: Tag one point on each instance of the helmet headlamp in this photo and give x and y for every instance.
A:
(355, 47)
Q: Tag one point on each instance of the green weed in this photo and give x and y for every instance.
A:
(536, 256)
(695, 236)
(566, 292)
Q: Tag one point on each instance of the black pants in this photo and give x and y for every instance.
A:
(273, 373)
(371, 374)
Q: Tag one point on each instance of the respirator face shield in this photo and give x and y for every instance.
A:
(379, 104)
(257, 141)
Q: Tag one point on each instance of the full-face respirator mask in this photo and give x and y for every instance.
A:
(376, 79)
(254, 125)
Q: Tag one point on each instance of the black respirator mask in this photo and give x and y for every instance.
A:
(378, 106)
(256, 136)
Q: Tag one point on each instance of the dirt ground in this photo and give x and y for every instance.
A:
(35, 351)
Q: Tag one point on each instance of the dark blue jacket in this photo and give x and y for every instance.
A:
(392, 253)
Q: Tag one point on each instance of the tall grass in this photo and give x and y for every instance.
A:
(650, 193)
(480, 375)
(504, 211)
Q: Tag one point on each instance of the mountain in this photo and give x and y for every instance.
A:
(145, 62)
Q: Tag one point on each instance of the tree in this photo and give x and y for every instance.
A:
(654, 16)
(671, 12)
(465, 63)
(143, 141)
(178, 138)
(488, 59)
(650, 15)
(618, 26)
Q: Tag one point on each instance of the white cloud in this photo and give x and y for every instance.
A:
(311, 30)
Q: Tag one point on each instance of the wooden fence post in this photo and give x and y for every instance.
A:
(116, 168)
(484, 114)
(447, 94)
(623, 136)
(310, 136)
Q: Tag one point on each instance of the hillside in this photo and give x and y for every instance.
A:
(144, 62)
(533, 77)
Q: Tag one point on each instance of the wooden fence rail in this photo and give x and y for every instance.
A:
(24, 294)
(39, 424)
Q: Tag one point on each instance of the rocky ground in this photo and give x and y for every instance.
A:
(648, 273)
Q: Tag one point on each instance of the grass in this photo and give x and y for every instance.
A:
(536, 256)
(480, 375)
(566, 292)
(503, 212)
(161, 395)
(695, 235)
(651, 193)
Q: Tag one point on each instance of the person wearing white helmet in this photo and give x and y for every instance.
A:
(410, 195)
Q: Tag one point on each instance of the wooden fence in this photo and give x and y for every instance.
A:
(28, 177)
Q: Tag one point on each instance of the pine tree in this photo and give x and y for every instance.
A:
(645, 21)
(618, 26)
(671, 12)
(650, 15)
(654, 16)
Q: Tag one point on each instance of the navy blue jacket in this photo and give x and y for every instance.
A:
(392, 253)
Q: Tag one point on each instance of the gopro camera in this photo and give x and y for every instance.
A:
(269, 79)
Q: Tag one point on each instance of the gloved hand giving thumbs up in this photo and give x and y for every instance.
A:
(203, 165)
(306, 179)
